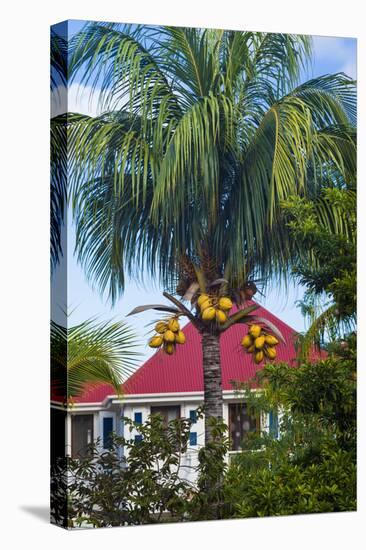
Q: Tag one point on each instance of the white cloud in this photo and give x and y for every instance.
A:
(79, 99)
(338, 53)
(75, 99)
(329, 47)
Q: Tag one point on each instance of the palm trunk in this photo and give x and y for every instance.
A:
(213, 463)
(212, 380)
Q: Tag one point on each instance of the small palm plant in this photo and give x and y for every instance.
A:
(89, 354)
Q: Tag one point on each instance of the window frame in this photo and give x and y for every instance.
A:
(76, 454)
(258, 422)
(158, 408)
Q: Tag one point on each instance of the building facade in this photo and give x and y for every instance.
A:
(173, 387)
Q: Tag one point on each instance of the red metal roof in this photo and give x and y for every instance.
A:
(182, 372)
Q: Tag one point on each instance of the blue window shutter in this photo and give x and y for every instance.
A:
(138, 438)
(138, 418)
(193, 438)
(107, 432)
(273, 424)
(193, 416)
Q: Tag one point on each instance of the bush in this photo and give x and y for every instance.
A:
(312, 466)
(102, 490)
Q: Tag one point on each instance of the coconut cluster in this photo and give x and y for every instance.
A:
(168, 335)
(260, 344)
(214, 308)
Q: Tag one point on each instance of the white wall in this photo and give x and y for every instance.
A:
(190, 458)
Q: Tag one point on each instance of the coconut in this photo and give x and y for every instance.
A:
(180, 337)
(169, 348)
(270, 352)
(259, 342)
(156, 341)
(206, 304)
(258, 357)
(271, 340)
(161, 327)
(208, 314)
(255, 331)
(173, 325)
(225, 304)
(221, 317)
(202, 298)
(247, 341)
(169, 336)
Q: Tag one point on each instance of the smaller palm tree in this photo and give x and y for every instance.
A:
(89, 354)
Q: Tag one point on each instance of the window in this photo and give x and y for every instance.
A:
(241, 422)
(138, 438)
(167, 412)
(107, 432)
(193, 438)
(138, 418)
(193, 416)
(81, 434)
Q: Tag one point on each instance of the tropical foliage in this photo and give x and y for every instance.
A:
(326, 227)
(58, 142)
(103, 490)
(89, 354)
(312, 466)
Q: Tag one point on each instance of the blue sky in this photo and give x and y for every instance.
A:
(330, 55)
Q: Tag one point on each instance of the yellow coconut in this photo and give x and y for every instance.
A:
(156, 341)
(259, 342)
(169, 336)
(206, 304)
(247, 341)
(255, 331)
(208, 314)
(221, 317)
(251, 349)
(271, 340)
(161, 327)
(169, 348)
(270, 352)
(258, 356)
(202, 298)
(173, 325)
(180, 337)
(225, 304)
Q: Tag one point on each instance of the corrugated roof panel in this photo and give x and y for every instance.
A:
(182, 372)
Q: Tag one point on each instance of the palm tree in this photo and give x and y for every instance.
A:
(89, 354)
(203, 134)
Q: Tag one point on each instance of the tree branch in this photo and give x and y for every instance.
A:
(237, 317)
(183, 309)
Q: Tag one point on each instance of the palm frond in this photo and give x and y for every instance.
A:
(207, 133)
(58, 194)
(59, 61)
(91, 353)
